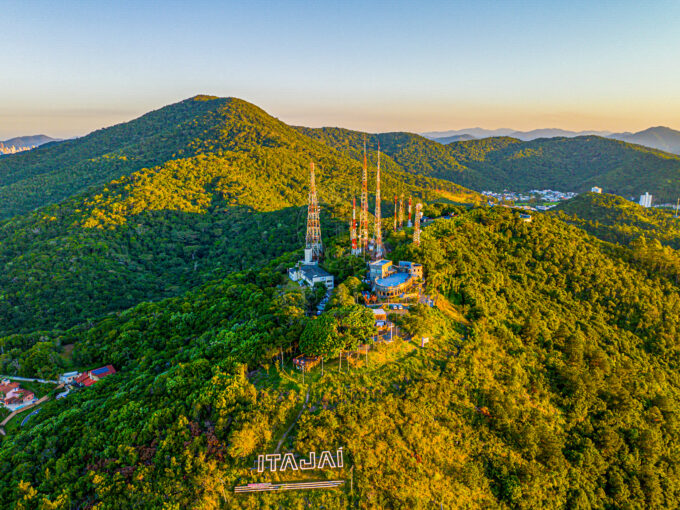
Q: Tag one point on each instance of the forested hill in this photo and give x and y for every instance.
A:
(551, 380)
(232, 198)
(618, 220)
(569, 164)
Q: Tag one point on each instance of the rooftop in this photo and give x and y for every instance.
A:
(378, 311)
(394, 280)
(380, 263)
(314, 272)
(406, 263)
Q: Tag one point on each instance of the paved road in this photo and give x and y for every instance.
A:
(15, 378)
(23, 422)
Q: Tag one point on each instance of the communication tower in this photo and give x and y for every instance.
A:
(409, 213)
(401, 211)
(395, 213)
(416, 232)
(313, 246)
(353, 229)
(378, 253)
(363, 214)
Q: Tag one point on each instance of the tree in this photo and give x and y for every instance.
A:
(320, 337)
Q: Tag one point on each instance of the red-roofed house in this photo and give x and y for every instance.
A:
(92, 376)
(13, 394)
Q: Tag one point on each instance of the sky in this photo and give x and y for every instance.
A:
(70, 67)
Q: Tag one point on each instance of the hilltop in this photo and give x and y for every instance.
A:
(660, 137)
(548, 382)
(231, 198)
(23, 143)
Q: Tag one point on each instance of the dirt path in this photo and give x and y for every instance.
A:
(285, 435)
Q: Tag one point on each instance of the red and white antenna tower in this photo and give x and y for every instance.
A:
(401, 211)
(416, 232)
(313, 246)
(378, 233)
(409, 213)
(353, 229)
(363, 214)
(395, 213)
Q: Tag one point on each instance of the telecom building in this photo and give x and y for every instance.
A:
(391, 281)
(646, 200)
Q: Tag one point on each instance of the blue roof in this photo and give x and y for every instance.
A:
(393, 280)
(100, 371)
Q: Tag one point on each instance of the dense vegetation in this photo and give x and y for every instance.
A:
(550, 381)
(568, 164)
(235, 204)
(617, 220)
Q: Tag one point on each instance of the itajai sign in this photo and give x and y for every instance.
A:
(278, 462)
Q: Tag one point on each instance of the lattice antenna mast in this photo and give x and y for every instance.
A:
(416, 232)
(378, 232)
(409, 213)
(313, 246)
(401, 211)
(353, 228)
(395, 213)
(363, 214)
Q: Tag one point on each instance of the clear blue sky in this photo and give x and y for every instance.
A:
(69, 67)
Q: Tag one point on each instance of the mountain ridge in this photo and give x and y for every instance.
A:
(658, 137)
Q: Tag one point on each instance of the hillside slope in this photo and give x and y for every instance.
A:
(561, 391)
(49, 174)
(569, 164)
(660, 137)
(233, 201)
(618, 220)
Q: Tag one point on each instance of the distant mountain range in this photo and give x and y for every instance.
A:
(24, 143)
(662, 138)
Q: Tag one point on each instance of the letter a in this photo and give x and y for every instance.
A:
(326, 458)
(288, 459)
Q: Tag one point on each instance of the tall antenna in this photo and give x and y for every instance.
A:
(401, 211)
(363, 215)
(395, 213)
(416, 232)
(353, 228)
(313, 246)
(378, 233)
(409, 213)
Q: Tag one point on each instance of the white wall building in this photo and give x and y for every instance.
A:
(646, 200)
(311, 274)
(595, 189)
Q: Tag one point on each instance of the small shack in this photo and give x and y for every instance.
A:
(306, 363)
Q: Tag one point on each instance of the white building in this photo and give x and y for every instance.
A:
(595, 189)
(68, 377)
(646, 200)
(311, 274)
